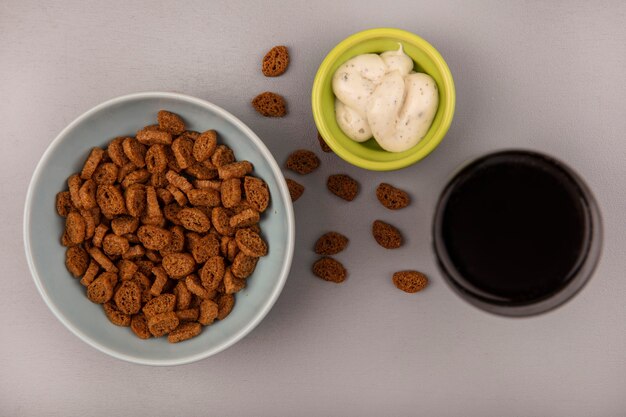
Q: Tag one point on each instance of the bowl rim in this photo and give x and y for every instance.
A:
(284, 193)
(355, 39)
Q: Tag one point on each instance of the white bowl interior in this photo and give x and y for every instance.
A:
(43, 227)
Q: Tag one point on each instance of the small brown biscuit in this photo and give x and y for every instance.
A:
(212, 273)
(295, 189)
(138, 176)
(105, 174)
(90, 273)
(208, 312)
(171, 213)
(156, 159)
(112, 277)
(391, 197)
(201, 171)
(343, 186)
(95, 156)
(194, 219)
(195, 286)
(76, 260)
(257, 193)
(97, 216)
(154, 220)
(243, 205)
(98, 235)
(115, 245)
(182, 147)
(250, 243)
(170, 122)
(178, 265)
(153, 237)
(164, 303)
(224, 244)
(231, 192)
(127, 269)
(161, 324)
(132, 238)
(153, 210)
(229, 248)
(73, 184)
(386, 235)
(331, 243)
(101, 289)
(143, 281)
(191, 134)
(243, 265)
(208, 184)
(153, 256)
(223, 155)
(128, 297)
(135, 151)
(329, 269)
(410, 281)
(135, 199)
(225, 304)
(208, 198)
(116, 316)
(232, 284)
(124, 170)
(134, 252)
(190, 314)
(91, 219)
(183, 295)
(179, 196)
(246, 218)
(232, 250)
(184, 331)
(110, 200)
(270, 104)
(153, 136)
(158, 180)
(234, 170)
(323, 145)
(102, 259)
(64, 203)
(178, 181)
(164, 196)
(302, 161)
(115, 150)
(124, 224)
(172, 165)
(139, 326)
(205, 247)
(205, 145)
(65, 240)
(87, 194)
(177, 241)
(75, 227)
(276, 61)
(191, 239)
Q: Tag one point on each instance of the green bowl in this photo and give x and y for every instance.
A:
(369, 154)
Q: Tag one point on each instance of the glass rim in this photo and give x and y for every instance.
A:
(582, 271)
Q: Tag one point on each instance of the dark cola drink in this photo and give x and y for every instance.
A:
(517, 232)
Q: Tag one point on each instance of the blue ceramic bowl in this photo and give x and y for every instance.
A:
(65, 296)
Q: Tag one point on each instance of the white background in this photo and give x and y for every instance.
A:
(541, 75)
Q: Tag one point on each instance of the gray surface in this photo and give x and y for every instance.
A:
(534, 75)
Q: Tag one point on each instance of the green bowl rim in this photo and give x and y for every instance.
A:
(439, 134)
